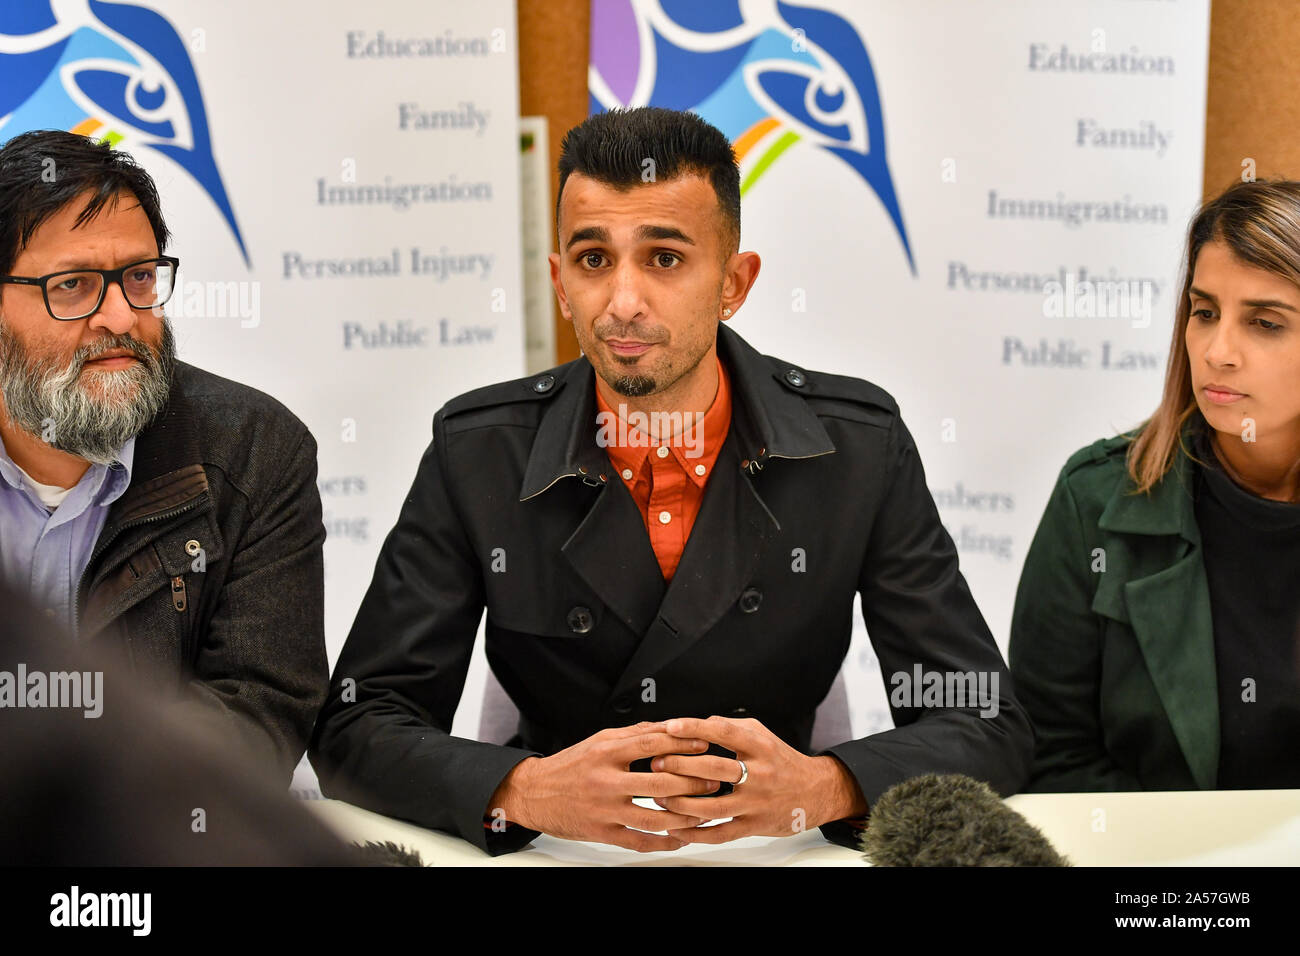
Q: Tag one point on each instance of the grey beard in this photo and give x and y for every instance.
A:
(54, 405)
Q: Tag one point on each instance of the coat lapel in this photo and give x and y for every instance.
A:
(610, 548)
(727, 542)
(611, 551)
(1165, 599)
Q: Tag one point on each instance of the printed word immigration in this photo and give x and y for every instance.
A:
(1075, 212)
(401, 195)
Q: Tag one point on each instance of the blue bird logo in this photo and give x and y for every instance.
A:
(113, 71)
(767, 73)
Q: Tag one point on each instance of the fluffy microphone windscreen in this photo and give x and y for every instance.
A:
(951, 820)
(388, 853)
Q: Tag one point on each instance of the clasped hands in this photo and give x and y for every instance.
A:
(585, 791)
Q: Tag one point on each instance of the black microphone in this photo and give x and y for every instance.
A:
(951, 820)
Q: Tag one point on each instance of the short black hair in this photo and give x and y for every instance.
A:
(43, 170)
(613, 148)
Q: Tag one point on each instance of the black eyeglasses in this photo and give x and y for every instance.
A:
(77, 293)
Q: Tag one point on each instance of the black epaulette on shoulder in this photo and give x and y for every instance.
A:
(839, 395)
(529, 388)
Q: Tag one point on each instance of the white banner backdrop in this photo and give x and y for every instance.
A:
(932, 187)
(343, 187)
(343, 184)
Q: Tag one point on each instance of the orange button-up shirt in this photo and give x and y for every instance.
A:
(667, 477)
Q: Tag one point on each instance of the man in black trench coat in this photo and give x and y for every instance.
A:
(707, 675)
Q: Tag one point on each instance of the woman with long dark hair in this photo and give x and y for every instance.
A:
(1155, 640)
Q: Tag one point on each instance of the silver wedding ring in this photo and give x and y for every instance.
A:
(744, 773)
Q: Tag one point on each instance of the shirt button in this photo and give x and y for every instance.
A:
(699, 469)
(662, 451)
(665, 517)
(627, 473)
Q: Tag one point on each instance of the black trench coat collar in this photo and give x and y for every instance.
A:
(609, 547)
(770, 416)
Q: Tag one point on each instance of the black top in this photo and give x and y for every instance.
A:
(1252, 564)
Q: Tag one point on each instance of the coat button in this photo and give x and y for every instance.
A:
(795, 377)
(544, 384)
(750, 599)
(623, 705)
(580, 620)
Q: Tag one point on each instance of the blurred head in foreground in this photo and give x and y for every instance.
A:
(100, 773)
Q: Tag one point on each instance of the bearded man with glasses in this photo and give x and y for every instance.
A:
(149, 506)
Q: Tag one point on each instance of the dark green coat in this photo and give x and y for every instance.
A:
(1116, 666)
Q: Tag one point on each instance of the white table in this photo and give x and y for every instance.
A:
(1192, 828)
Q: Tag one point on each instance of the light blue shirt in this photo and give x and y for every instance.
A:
(44, 553)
